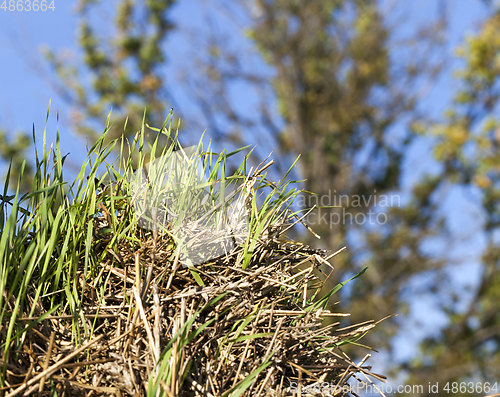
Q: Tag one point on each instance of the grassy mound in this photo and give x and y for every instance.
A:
(93, 303)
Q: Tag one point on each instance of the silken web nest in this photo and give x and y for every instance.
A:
(170, 279)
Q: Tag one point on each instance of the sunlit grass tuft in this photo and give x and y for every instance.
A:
(76, 264)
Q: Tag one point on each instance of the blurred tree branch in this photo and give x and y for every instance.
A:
(125, 65)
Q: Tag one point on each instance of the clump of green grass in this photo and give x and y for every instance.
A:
(92, 301)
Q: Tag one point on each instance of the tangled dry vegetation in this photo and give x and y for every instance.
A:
(144, 325)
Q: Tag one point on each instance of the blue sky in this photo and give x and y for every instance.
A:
(25, 93)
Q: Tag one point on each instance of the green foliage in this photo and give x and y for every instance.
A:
(124, 63)
(15, 152)
(327, 70)
(467, 146)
